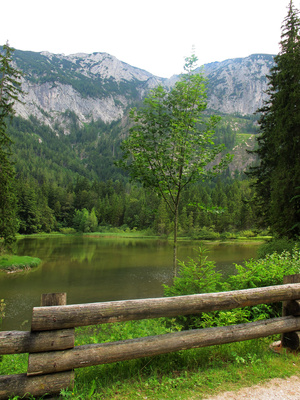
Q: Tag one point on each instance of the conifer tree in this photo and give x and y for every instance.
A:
(278, 172)
(10, 88)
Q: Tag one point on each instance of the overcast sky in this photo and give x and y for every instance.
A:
(154, 35)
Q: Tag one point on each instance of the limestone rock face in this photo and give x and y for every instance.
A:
(47, 102)
(99, 86)
(238, 85)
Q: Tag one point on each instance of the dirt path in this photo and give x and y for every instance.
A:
(275, 389)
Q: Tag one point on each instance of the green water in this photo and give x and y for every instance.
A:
(98, 269)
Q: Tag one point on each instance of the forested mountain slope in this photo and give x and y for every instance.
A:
(76, 106)
(67, 135)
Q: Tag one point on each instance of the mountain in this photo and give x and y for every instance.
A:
(74, 113)
(74, 116)
(93, 86)
(238, 85)
(98, 86)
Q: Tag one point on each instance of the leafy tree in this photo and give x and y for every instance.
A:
(278, 173)
(170, 144)
(10, 89)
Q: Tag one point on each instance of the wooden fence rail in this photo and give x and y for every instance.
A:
(53, 357)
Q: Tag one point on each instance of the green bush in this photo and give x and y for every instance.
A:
(205, 234)
(67, 231)
(267, 271)
(247, 233)
(200, 276)
(195, 276)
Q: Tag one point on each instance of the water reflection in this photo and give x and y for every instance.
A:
(96, 269)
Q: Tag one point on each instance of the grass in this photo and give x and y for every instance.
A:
(190, 374)
(13, 263)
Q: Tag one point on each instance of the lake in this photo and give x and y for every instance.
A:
(92, 269)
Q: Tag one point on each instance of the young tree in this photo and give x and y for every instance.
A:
(278, 172)
(170, 144)
(10, 89)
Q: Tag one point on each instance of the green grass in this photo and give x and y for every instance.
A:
(11, 263)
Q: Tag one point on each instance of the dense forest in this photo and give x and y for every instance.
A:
(69, 182)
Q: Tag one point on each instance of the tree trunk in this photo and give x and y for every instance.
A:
(175, 262)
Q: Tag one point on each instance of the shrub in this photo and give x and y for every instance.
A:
(265, 272)
(201, 277)
(205, 234)
(247, 233)
(67, 231)
(195, 276)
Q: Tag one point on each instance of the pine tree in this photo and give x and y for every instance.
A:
(278, 173)
(10, 89)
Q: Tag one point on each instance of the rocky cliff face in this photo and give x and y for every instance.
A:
(99, 86)
(93, 86)
(238, 85)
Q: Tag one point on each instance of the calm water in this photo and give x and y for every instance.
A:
(98, 269)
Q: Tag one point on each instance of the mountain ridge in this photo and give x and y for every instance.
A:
(98, 86)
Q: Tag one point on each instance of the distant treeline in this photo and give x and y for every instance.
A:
(70, 181)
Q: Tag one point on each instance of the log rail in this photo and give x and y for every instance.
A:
(53, 357)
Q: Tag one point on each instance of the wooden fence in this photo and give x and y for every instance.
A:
(53, 356)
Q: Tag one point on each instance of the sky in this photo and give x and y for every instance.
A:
(153, 35)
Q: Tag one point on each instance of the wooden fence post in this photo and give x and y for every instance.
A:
(291, 340)
(56, 299)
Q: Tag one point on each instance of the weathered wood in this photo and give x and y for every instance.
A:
(14, 342)
(292, 307)
(291, 340)
(56, 382)
(287, 280)
(88, 355)
(48, 318)
(19, 385)
(288, 305)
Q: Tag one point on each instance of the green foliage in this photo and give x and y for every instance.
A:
(10, 89)
(121, 331)
(84, 221)
(170, 144)
(199, 276)
(195, 277)
(277, 176)
(278, 246)
(267, 271)
(205, 234)
(17, 263)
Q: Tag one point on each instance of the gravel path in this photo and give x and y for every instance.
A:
(275, 389)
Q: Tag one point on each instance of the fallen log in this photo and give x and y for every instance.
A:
(94, 354)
